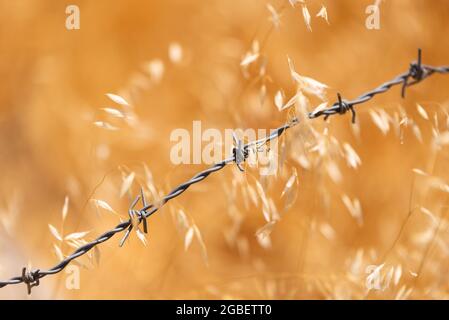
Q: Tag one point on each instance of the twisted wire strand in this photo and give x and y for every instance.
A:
(417, 72)
(31, 278)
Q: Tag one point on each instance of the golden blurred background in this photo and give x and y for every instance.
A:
(177, 61)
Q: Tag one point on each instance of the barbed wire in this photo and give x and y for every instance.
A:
(417, 72)
(31, 278)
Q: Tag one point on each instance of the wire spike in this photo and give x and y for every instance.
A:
(416, 72)
(32, 278)
(239, 152)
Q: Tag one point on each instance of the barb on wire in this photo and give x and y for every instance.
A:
(343, 107)
(239, 153)
(31, 278)
(417, 72)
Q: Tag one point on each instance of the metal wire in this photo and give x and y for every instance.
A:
(417, 73)
(31, 278)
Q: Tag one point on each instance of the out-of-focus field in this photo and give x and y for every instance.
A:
(53, 85)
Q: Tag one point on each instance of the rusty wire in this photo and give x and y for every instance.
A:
(417, 72)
